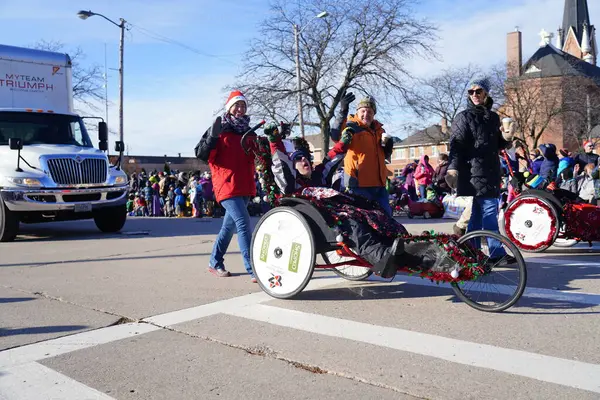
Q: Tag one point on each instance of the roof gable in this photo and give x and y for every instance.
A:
(432, 135)
(551, 61)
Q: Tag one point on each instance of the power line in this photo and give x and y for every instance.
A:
(165, 39)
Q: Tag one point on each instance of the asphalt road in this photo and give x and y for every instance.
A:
(137, 316)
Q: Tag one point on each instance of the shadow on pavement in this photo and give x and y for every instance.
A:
(4, 300)
(84, 260)
(36, 330)
(136, 227)
(385, 291)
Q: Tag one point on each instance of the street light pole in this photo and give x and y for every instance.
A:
(297, 32)
(299, 79)
(121, 25)
(121, 48)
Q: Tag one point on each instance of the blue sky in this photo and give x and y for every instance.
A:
(172, 93)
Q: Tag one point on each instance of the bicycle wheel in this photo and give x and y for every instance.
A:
(349, 272)
(501, 283)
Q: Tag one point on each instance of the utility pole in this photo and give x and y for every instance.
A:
(121, 48)
(299, 78)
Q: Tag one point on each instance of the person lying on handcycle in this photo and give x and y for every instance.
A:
(363, 224)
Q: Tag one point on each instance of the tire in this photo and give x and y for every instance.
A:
(484, 287)
(349, 272)
(282, 237)
(529, 231)
(9, 223)
(110, 219)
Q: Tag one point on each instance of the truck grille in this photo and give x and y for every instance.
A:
(67, 171)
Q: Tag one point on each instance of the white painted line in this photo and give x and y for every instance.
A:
(205, 310)
(561, 262)
(535, 293)
(67, 344)
(33, 381)
(536, 366)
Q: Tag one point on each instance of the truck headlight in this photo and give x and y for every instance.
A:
(25, 181)
(120, 179)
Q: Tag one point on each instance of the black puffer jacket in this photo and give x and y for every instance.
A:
(474, 150)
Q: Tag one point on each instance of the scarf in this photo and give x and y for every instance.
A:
(237, 125)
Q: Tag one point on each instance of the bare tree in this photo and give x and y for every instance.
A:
(88, 81)
(441, 96)
(361, 46)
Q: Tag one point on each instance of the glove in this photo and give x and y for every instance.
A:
(272, 132)
(285, 129)
(452, 178)
(345, 102)
(216, 128)
(347, 136)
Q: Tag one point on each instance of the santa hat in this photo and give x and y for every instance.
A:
(233, 98)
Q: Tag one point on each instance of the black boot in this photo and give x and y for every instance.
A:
(388, 265)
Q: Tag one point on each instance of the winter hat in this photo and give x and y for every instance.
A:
(564, 152)
(482, 82)
(368, 101)
(588, 143)
(301, 149)
(233, 98)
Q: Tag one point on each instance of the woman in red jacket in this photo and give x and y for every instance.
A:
(424, 175)
(233, 180)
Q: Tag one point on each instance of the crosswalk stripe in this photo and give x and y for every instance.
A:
(560, 371)
(33, 381)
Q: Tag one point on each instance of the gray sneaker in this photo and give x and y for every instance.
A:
(220, 272)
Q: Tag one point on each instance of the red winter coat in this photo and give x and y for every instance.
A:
(232, 169)
(424, 172)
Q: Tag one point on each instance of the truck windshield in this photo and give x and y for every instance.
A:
(34, 128)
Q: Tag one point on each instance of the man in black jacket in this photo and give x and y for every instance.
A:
(474, 165)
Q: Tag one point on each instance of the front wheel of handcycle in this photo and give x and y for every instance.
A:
(500, 282)
(282, 252)
(349, 272)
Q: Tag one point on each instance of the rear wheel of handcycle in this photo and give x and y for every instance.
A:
(282, 252)
(500, 285)
(531, 223)
(349, 272)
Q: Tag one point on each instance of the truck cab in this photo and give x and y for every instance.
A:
(49, 168)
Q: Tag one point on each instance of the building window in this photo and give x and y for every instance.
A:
(412, 153)
(399, 154)
(434, 151)
(397, 171)
(421, 151)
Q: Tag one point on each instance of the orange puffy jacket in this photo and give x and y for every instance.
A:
(364, 164)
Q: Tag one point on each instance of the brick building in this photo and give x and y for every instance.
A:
(555, 96)
(150, 163)
(431, 141)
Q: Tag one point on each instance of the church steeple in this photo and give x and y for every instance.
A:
(575, 16)
(578, 34)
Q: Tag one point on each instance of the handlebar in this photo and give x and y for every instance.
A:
(249, 131)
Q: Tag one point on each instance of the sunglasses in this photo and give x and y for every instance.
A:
(474, 91)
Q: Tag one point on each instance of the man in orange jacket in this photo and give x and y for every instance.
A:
(367, 148)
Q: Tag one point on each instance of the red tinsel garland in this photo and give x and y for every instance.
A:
(515, 240)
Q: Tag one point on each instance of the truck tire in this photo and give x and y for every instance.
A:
(9, 224)
(110, 219)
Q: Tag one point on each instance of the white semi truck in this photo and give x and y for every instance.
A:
(49, 168)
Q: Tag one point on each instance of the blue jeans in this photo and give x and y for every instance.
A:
(423, 191)
(378, 194)
(484, 215)
(236, 219)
